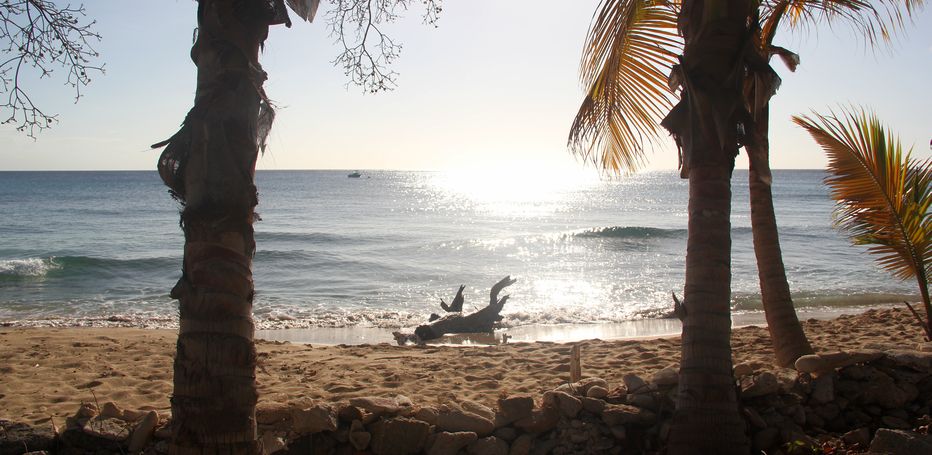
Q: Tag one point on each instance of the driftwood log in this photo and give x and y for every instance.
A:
(481, 321)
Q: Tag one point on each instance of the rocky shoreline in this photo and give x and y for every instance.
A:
(867, 401)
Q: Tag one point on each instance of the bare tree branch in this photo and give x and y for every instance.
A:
(39, 36)
(368, 52)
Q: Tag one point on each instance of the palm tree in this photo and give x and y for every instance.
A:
(727, 82)
(883, 195)
(632, 47)
(631, 43)
(209, 165)
(786, 334)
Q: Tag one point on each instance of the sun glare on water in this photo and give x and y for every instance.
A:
(515, 191)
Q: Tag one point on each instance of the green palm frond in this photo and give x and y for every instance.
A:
(882, 194)
(630, 48)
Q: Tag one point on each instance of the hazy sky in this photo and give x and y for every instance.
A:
(495, 85)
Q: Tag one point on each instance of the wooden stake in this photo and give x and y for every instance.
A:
(575, 367)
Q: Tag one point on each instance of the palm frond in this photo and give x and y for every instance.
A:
(629, 52)
(305, 9)
(877, 20)
(882, 195)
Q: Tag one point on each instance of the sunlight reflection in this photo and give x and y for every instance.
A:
(518, 191)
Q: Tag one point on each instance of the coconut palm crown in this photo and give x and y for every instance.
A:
(631, 54)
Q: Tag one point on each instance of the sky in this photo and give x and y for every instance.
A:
(495, 85)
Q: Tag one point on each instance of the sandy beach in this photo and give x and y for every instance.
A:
(47, 373)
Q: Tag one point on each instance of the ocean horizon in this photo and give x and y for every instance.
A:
(380, 251)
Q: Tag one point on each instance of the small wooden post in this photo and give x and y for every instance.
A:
(575, 367)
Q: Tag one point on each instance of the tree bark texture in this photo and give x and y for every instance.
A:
(706, 125)
(706, 420)
(786, 333)
(210, 166)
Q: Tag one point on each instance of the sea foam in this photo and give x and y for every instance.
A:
(30, 267)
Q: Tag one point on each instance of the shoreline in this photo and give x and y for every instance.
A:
(360, 335)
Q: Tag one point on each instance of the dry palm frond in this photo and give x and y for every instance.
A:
(875, 20)
(629, 51)
(882, 195)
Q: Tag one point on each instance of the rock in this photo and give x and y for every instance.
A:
(545, 446)
(619, 432)
(540, 421)
(860, 436)
(458, 421)
(583, 386)
(812, 363)
(111, 410)
(16, 436)
(272, 413)
(488, 446)
(899, 442)
(576, 436)
(643, 400)
(478, 409)
(522, 445)
(567, 404)
(764, 383)
(921, 361)
(597, 392)
(398, 435)
(109, 428)
(745, 368)
(895, 423)
(799, 414)
(633, 382)
(380, 405)
(271, 442)
(427, 414)
(622, 414)
(823, 389)
(358, 437)
(403, 402)
(132, 415)
(86, 411)
(450, 443)
(593, 405)
(506, 434)
(823, 363)
(787, 378)
(666, 377)
(142, 434)
(814, 420)
(514, 408)
(314, 419)
(889, 394)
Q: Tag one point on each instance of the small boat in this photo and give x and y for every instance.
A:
(354, 175)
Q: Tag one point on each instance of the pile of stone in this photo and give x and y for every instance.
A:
(849, 402)
(107, 429)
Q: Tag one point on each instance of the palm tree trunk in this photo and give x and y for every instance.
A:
(705, 124)
(214, 398)
(707, 419)
(786, 334)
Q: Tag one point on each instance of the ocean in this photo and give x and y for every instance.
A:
(380, 251)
